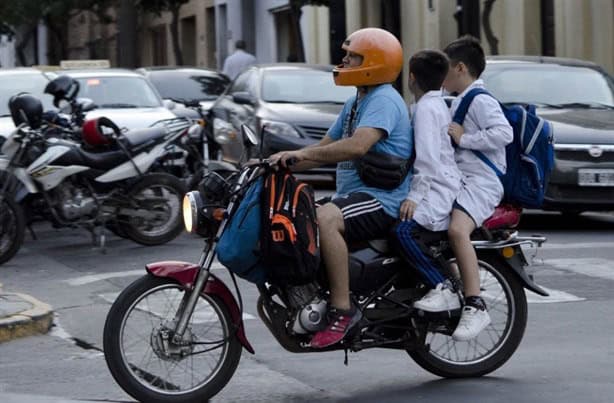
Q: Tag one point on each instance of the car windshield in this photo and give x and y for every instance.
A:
(549, 85)
(303, 86)
(119, 92)
(12, 84)
(188, 86)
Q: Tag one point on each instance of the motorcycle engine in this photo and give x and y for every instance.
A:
(74, 204)
(310, 308)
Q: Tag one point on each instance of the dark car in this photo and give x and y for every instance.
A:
(295, 103)
(188, 84)
(577, 97)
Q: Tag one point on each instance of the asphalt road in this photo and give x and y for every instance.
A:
(567, 353)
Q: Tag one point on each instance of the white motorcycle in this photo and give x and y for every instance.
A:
(56, 180)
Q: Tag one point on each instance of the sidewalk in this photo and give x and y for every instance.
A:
(22, 315)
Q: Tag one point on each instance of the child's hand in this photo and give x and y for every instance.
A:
(456, 131)
(407, 210)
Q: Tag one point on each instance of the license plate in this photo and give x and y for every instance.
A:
(596, 177)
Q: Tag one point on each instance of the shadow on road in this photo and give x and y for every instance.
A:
(485, 389)
(555, 221)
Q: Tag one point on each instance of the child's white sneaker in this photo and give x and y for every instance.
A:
(472, 322)
(439, 299)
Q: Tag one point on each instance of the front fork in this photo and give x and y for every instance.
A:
(183, 315)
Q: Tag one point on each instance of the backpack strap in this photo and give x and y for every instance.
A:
(459, 117)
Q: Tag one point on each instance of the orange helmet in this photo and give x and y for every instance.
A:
(382, 58)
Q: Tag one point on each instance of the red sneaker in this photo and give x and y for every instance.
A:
(340, 323)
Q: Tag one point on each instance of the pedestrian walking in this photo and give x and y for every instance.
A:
(238, 61)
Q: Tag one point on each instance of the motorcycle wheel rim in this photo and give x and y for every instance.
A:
(169, 209)
(148, 377)
(8, 226)
(495, 292)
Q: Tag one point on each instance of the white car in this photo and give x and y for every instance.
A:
(14, 81)
(125, 97)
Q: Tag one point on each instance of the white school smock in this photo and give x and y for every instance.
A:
(436, 180)
(486, 130)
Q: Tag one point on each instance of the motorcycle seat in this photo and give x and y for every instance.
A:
(135, 138)
(505, 216)
(100, 161)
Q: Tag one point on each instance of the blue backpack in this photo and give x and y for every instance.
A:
(530, 156)
(239, 246)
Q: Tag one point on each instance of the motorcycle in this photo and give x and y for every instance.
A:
(55, 179)
(176, 334)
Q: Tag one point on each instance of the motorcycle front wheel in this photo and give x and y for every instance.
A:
(154, 216)
(149, 364)
(12, 228)
(507, 306)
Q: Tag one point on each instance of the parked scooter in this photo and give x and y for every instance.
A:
(56, 180)
(176, 334)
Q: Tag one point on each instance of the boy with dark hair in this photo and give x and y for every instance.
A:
(484, 129)
(436, 179)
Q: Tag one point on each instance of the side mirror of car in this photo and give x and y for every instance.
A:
(169, 104)
(243, 98)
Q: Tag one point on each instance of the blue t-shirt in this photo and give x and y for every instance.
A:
(381, 108)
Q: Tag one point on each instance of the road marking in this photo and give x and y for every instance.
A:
(583, 245)
(554, 297)
(594, 267)
(204, 315)
(92, 278)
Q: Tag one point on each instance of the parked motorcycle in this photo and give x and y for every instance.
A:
(181, 158)
(176, 334)
(56, 180)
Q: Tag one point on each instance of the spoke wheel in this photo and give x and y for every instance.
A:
(157, 199)
(12, 228)
(145, 360)
(507, 307)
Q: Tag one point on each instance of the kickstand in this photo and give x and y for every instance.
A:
(345, 361)
(32, 234)
(99, 238)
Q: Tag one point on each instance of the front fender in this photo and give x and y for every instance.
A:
(185, 274)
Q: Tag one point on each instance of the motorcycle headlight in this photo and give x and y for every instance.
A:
(194, 132)
(279, 128)
(192, 206)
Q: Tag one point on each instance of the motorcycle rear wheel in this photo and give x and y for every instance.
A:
(167, 223)
(135, 352)
(12, 228)
(507, 305)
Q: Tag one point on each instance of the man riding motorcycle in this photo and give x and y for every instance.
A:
(373, 125)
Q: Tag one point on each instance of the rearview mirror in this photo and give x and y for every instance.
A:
(243, 98)
(86, 104)
(249, 135)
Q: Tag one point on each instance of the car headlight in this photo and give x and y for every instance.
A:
(223, 132)
(279, 128)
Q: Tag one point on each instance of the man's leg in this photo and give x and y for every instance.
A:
(335, 254)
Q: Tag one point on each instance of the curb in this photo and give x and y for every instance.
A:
(36, 320)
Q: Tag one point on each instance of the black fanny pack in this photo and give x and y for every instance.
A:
(383, 170)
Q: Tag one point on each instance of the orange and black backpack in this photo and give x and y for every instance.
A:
(290, 244)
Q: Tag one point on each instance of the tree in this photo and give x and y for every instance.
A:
(157, 7)
(296, 13)
(21, 18)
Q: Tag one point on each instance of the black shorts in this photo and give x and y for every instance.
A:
(364, 217)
